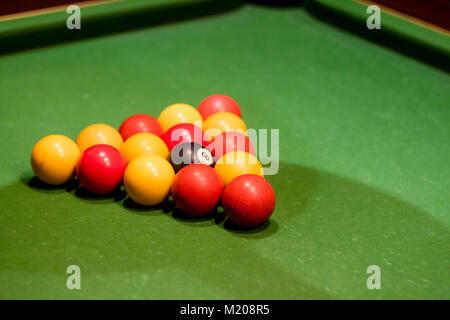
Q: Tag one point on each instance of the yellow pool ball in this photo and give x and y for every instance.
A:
(99, 133)
(179, 113)
(148, 179)
(221, 122)
(54, 159)
(144, 143)
(237, 163)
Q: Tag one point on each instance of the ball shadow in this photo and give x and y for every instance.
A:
(119, 194)
(220, 217)
(36, 184)
(85, 195)
(264, 230)
(178, 214)
(72, 185)
(138, 209)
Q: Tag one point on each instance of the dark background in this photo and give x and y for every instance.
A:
(15, 6)
(436, 12)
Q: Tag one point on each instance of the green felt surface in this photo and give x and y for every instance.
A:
(363, 179)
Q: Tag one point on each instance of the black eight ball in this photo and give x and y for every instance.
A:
(189, 153)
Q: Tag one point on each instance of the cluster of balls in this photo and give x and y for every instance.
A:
(201, 156)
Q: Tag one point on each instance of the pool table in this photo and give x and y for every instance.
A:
(364, 150)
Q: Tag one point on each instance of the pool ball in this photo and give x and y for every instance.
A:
(54, 158)
(249, 200)
(218, 103)
(101, 168)
(230, 141)
(183, 132)
(221, 122)
(179, 113)
(237, 163)
(144, 143)
(139, 123)
(190, 153)
(148, 179)
(99, 133)
(197, 189)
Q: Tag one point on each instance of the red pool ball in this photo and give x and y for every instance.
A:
(197, 189)
(230, 141)
(182, 133)
(101, 168)
(248, 200)
(218, 103)
(139, 123)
